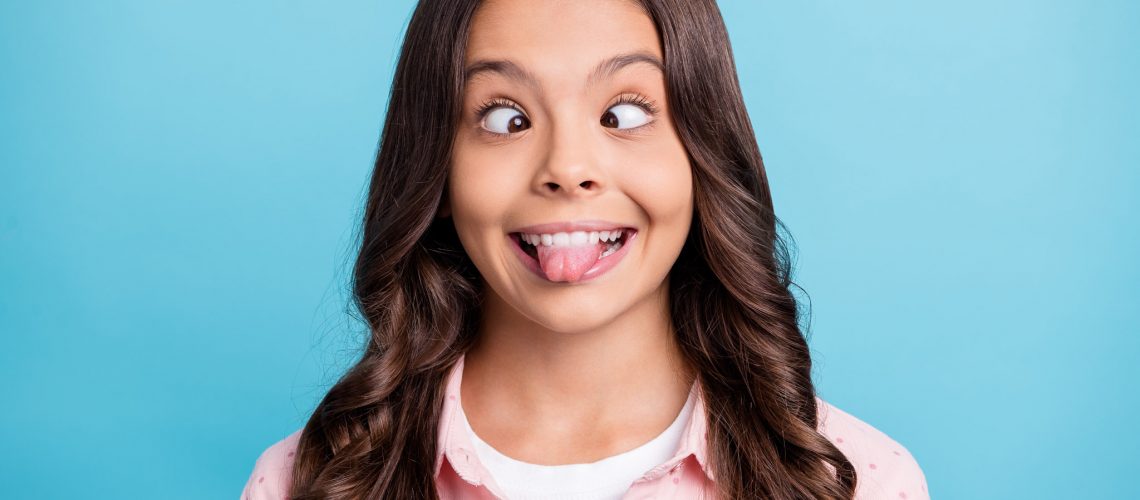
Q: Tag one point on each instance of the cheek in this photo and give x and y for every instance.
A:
(664, 184)
(477, 192)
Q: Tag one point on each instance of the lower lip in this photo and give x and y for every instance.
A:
(600, 267)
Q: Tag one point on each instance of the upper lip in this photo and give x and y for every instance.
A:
(570, 226)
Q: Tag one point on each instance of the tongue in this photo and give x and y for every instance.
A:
(568, 263)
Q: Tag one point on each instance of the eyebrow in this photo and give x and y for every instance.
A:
(603, 70)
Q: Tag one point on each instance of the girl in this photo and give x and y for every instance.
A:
(573, 280)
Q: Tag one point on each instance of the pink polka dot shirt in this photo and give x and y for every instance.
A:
(886, 469)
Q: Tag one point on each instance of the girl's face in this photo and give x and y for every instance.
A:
(565, 122)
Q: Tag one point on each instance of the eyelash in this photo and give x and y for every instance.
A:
(629, 98)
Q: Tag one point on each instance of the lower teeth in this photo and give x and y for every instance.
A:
(613, 248)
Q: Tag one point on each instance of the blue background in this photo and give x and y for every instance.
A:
(180, 183)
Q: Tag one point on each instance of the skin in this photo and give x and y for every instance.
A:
(570, 372)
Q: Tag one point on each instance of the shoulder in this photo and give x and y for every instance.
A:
(272, 471)
(885, 468)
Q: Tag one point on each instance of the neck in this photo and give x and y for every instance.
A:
(623, 378)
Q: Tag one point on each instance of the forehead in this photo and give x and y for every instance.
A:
(559, 39)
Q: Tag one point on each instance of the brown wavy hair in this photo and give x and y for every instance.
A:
(374, 434)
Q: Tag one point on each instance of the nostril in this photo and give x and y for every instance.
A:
(554, 186)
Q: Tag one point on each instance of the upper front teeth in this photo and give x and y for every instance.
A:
(575, 238)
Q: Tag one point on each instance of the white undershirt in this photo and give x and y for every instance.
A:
(605, 479)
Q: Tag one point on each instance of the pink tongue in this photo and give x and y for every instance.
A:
(568, 263)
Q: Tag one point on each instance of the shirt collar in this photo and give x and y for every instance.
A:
(454, 445)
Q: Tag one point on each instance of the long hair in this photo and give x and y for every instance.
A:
(374, 434)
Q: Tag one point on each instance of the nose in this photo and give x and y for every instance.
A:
(571, 167)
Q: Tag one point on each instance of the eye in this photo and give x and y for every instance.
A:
(503, 117)
(500, 117)
(626, 115)
(631, 111)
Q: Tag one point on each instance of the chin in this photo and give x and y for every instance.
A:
(572, 319)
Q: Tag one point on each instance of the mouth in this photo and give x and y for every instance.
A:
(570, 256)
(613, 240)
